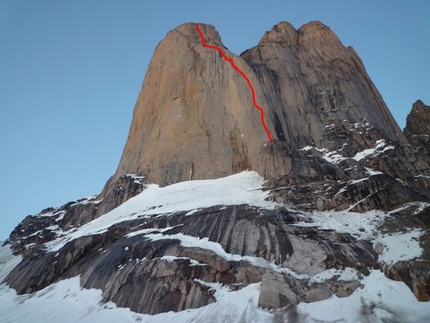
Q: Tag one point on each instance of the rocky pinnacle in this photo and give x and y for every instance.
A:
(194, 116)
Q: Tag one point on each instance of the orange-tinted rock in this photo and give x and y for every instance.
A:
(194, 117)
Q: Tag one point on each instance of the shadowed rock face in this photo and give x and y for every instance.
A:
(336, 147)
(311, 80)
(417, 128)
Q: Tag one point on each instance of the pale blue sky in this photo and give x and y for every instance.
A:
(70, 72)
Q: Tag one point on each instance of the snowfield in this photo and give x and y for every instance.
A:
(379, 300)
(242, 188)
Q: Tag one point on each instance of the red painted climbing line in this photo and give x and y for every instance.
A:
(241, 73)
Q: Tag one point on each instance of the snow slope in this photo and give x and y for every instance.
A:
(380, 299)
(242, 188)
(7, 261)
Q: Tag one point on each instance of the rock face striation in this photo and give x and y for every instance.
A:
(337, 153)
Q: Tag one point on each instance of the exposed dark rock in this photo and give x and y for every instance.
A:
(415, 274)
(417, 128)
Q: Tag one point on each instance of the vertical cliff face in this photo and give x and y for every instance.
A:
(194, 117)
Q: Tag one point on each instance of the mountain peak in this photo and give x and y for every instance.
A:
(281, 32)
(195, 117)
(338, 200)
(188, 30)
(314, 25)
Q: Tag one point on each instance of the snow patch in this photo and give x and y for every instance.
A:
(335, 157)
(364, 226)
(380, 300)
(174, 258)
(347, 275)
(331, 156)
(422, 176)
(87, 200)
(8, 261)
(372, 172)
(355, 181)
(360, 225)
(379, 148)
(399, 246)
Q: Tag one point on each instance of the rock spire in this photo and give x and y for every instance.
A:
(194, 116)
(417, 128)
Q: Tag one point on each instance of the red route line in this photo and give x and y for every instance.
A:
(241, 73)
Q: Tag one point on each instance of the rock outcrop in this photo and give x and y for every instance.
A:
(337, 151)
(417, 128)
